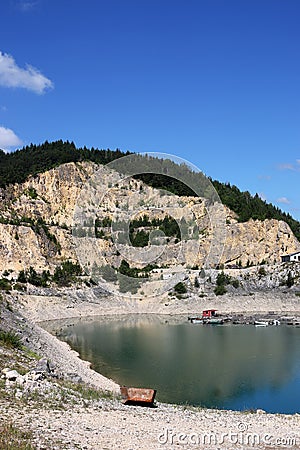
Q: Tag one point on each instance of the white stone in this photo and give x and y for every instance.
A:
(20, 380)
(18, 393)
(12, 375)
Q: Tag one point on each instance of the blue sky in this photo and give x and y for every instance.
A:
(216, 82)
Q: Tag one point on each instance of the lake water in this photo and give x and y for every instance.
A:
(229, 367)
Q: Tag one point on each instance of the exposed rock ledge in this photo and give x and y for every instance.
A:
(85, 302)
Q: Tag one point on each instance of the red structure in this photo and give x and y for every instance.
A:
(136, 396)
(208, 313)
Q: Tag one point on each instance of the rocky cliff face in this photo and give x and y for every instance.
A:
(258, 241)
(38, 218)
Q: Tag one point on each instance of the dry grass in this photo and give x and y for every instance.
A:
(87, 392)
(12, 438)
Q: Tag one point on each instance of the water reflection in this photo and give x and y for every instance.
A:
(239, 367)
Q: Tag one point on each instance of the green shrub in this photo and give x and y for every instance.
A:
(19, 287)
(133, 276)
(180, 288)
(290, 280)
(139, 239)
(223, 279)
(10, 339)
(32, 277)
(106, 222)
(262, 271)
(31, 192)
(220, 289)
(41, 227)
(99, 234)
(5, 285)
(66, 273)
(134, 272)
(234, 282)
(22, 277)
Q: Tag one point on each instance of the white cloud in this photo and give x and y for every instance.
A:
(286, 166)
(283, 200)
(26, 5)
(290, 166)
(29, 78)
(8, 139)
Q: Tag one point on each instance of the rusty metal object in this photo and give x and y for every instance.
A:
(131, 395)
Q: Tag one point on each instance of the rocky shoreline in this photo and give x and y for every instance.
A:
(107, 423)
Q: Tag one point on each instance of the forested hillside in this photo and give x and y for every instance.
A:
(15, 167)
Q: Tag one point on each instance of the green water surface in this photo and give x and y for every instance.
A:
(229, 366)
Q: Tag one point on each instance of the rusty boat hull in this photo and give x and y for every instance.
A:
(132, 395)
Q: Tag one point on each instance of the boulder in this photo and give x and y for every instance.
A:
(74, 377)
(43, 367)
(33, 376)
(12, 375)
(20, 380)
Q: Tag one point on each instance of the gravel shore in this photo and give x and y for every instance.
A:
(111, 425)
(108, 424)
